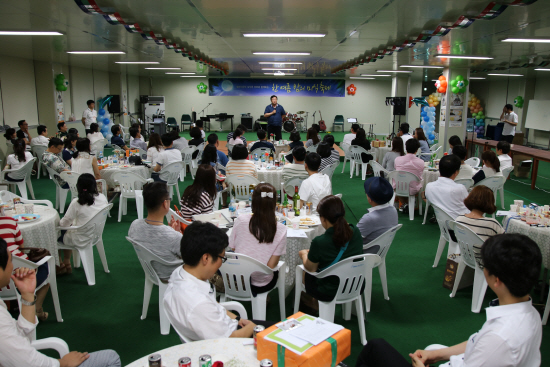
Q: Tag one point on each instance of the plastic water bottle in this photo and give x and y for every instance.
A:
(233, 209)
(250, 197)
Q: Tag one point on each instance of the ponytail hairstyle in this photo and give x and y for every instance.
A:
(9, 133)
(490, 157)
(19, 150)
(332, 209)
(82, 146)
(263, 224)
(87, 189)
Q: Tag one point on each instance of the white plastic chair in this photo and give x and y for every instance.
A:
(329, 170)
(170, 174)
(384, 242)
(402, 181)
(442, 217)
(437, 151)
(131, 185)
(347, 154)
(93, 231)
(236, 272)
(98, 147)
(546, 311)
(467, 182)
(229, 148)
(72, 178)
(116, 148)
(356, 161)
(187, 159)
(351, 272)
(374, 153)
(434, 147)
(290, 185)
(173, 215)
(146, 259)
(495, 183)
(6, 196)
(313, 149)
(239, 186)
(473, 162)
(60, 193)
(38, 150)
(505, 173)
(59, 345)
(466, 241)
(377, 169)
(22, 173)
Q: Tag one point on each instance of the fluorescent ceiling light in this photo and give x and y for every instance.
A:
(162, 68)
(279, 63)
(358, 77)
(283, 53)
(421, 66)
(137, 62)
(534, 40)
(393, 71)
(278, 74)
(193, 76)
(506, 74)
(96, 52)
(279, 69)
(285, 35)
(476, 78)
(182, 73)
(29, 33)
(374, 75)
(542, 69)
(466, 57)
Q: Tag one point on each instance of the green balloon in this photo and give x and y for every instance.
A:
(454, 90)
(60, 77)
(453, 83)
(459, 78)
(466, 83)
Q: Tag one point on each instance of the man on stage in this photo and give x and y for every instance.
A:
(274, 113)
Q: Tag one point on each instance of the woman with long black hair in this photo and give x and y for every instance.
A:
(18, 159)
(199, 197)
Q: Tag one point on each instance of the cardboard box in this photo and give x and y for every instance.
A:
(317, 356)
(522, 165)
(378, 143)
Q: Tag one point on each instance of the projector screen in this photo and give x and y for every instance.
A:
(538, 115)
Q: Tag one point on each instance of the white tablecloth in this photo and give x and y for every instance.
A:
(272, 176)
(381, 152)
(107, 173)
(429, 176)
(538, 234)
(42, 233)
(230, 351)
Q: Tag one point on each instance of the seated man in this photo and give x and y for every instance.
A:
(62, 129)
(137, 141)
(503, 148)
(148, 231)
(445, 193)
(381, 216)
(512, 334)
(404, 133)
(317, 185)
(222, 157)
(179, 142)
(466, 171)
(262, 143)
(348, 138)
(296, 169)
(52, 159)
(16, 349)
(410, 163)
(190, 300)
(170, 155)
(42, 138)
(117, 138)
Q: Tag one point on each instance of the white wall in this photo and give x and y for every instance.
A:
(18, 90)
(133, 94)
(82, 89)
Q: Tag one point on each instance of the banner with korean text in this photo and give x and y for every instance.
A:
(267, 87)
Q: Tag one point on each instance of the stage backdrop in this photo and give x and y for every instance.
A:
(267, 87)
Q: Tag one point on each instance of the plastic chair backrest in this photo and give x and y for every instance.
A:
(260, 151)
(442, 217)
(53, 174)
(313, 149)
(170, 173)
(494, 182)
(355, 153)
(93, 229)
(339, 118)
(71, 178)
(129, 182)
(187, 154)
(473, 162)
(236, 273)
(8, 293)
(402, 181)
(434, 147)
(329, 170)
(186, 118)
(240, 184)
(98, 146)
(466, 240)
(506, 172)
(24, 171)
(171, 121)
(38, 150)
(377, 168)
(384, 241)
(290, 185)
(351, 273)
(116, 148)
(467, 182)
(229, 147)
(6, 196)
(374, 153)
(9, 148)
(200, 148)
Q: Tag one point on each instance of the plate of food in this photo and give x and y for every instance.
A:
(309, 221)
(26, 218)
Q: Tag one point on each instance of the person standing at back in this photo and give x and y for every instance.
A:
(510, 119)
(274, 113)
(89, 116)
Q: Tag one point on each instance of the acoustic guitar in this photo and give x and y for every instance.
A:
(322, 122)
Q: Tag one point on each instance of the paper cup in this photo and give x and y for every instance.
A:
(290, 214)
(519, 203)
(513, 208)
(295, 223)
(19, 209)
(29, 209)
(242, 204)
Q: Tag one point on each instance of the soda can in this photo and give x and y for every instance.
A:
(184, 362)
(257, 329)
(266, 363)
(155, 360)
(205, 360)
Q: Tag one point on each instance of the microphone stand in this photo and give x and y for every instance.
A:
(205, 109)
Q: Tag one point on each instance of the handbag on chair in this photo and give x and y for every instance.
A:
(35, 254)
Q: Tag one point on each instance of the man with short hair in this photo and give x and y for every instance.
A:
(116, 139)
(503, 148)
(262, 143)
(52, 159)
(178, 142)
(42, 138)
(510, 119)
(296, 169)
(62, 129)
(190, 299)
(222, 157)
(317, 185)
(137, 142)
(170, 155)
(445, 193)
(404, 133)
(466, 171)
(348, 138)
(89, 116)
(274, 113)
(381, 215)
(148, 231)
(24, 127)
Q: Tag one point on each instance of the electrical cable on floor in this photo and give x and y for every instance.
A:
(350, 211)
(527, 183)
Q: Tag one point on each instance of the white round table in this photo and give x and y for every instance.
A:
(381, 153)
(541, 235)
(107, 173)
(42, 233)
(273, 176)
(230, 351)
(429, 176)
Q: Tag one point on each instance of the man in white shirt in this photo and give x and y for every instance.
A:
(510, 119)
(137, 142)
(16, 349)
(42, 138)
(170, 155)
(190, 299)
(317, 185)
(404, 133)
(445, 193)
(89, 116)
(512, 334)
(348, 138)
(466, 171)
(503, 148)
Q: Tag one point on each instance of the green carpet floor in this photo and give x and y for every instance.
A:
(419, 312)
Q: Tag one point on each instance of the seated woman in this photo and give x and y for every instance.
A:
(325, 151)
(197, 139)
(396, 151)
(419, 135)
(80, 211)
(210, 156)
(83, 161)
(491, 166)
(154, 148)
(410, 163)
(236, 138)
(295, 140)
(260, 236)
(11, 135)
(94, 134)
(362, 141)
(453, 142)
(340, 241)
(199, 197)
(18, 159)
(239, 164)
(69, 148)
(312, 137)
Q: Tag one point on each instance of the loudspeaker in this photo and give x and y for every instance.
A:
(194, 116)
(143, 99)
(399, 106)
(114, 104)
(247, 121)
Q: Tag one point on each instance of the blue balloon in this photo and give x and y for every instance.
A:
(101, 112)
(426, 118)
(431, 137)
(100, 124)
(106, 121)
(423, 114)
(481, 121)
(108, 136)
(432, 109)
(430, 141)
(105, 129)
(426, 109)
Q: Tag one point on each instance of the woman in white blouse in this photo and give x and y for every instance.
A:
(154, 148)
(19, 157)
(94, 134)
(83, 161)
(491, 166)
(81, 210)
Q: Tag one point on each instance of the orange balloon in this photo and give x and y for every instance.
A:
(480, 108)
(441, 90)
(444, 83)
(442, 78)
(430, 101)
(435, 103)
(432, 105)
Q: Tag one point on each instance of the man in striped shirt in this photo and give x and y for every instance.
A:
(296, 169)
